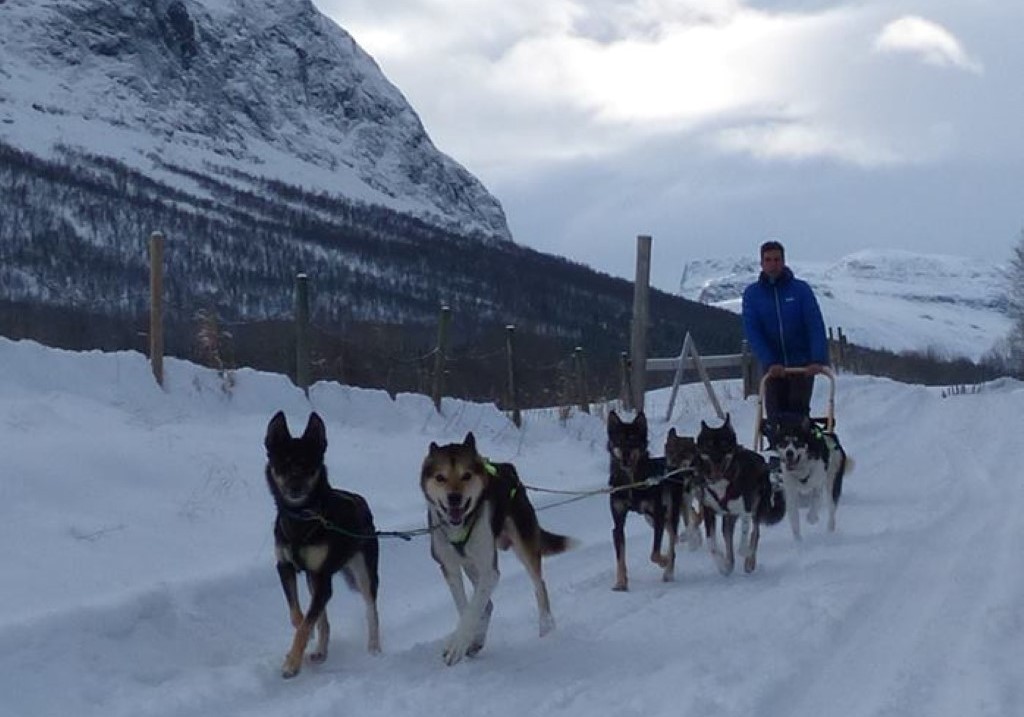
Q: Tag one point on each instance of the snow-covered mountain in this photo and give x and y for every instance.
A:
(887, 299)
(234, 89)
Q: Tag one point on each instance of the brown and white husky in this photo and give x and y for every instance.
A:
(475, 508)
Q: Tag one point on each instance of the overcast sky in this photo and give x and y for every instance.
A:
(714, 124)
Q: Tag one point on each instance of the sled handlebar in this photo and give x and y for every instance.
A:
(830, 411)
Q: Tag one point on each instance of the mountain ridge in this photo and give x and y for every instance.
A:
(271, 87)
(884, 298)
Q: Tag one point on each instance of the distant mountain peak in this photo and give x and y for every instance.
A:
(269, 88)
(883, 298)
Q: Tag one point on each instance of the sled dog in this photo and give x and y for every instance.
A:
(736, 485)
(319, 530)
(681, 469)
(812, 464)
(475, 508)
(630, 464)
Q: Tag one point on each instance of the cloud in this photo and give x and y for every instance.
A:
(801, 141)
(933, 43)
(584, 78)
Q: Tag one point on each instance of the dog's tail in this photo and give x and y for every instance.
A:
(837, 485)
(553, 544)
(772, 507)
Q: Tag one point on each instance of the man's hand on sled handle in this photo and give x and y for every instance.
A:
(811, 369)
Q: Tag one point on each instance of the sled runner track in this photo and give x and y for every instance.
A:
(955, 595)
(913, 607)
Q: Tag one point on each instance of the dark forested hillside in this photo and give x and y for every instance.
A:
(73, 244)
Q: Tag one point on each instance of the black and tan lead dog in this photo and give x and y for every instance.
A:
(319, 530)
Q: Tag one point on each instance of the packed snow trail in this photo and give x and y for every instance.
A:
(173, 608)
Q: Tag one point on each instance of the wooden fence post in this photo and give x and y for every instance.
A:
(302, 349)
(513, 397)
(156, 306)
(748, 369)
(638, 348)
(842, 348)
(441, 355)
(625, 393)
(580, 365)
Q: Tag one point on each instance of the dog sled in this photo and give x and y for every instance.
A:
(826, 423)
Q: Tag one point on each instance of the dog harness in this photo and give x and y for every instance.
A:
(459, 540)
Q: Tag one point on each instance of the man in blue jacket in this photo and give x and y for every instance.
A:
(783, 324)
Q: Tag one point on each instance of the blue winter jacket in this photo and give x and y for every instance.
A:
(782, 322)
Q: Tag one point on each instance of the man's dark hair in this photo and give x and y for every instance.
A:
(773, 245)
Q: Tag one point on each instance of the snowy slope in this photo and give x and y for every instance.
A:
(888, 299)
(236, 90)
(139, 580)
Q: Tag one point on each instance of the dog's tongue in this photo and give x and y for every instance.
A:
(455, 515)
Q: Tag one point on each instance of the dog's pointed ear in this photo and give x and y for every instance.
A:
(672, 433)
(434, 448)
(613, 419)
(704, 426)
(641, 420)
(470, 441)
(316, 432)
(277, 431)
(728, 420)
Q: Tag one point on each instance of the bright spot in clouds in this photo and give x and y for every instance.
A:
(931, 42)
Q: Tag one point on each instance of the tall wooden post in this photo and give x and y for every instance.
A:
(440, 355)
(513, 396)
(625, 393)
(582, 399)
(156, 305)
(638, 346)
(302, 349)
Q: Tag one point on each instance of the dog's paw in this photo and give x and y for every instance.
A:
(659, 559)
(547, 624)
(291, 667)
(812, 517)
(317, 657)
(621, 586)
(694, 539)
(456, 648)
(750, 564)
(725, 566)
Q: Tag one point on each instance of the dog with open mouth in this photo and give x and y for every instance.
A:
(812, 465)
(474, 509)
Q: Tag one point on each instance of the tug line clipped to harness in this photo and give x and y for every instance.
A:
(408, 535)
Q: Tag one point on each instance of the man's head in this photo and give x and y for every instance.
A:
(773, 259)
